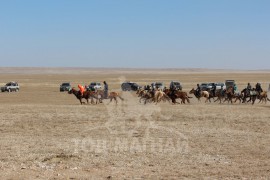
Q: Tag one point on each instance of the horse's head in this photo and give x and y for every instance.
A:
(71, 90)
(244, 91)
(139, 91)
(192, 91)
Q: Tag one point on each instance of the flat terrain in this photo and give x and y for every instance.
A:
(46, 134)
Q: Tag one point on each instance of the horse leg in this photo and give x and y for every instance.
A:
(81, 101)
(115, 100)
(184, 101)
(110, 100)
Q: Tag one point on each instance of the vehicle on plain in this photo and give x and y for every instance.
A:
(129, 86)
(157, 85)
(176, 84)
(11, 86)
(229, 83)
(203, 86)
(218, 85)
(65, 86)
(95, 85)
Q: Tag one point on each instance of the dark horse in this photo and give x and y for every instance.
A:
(220, 94)
(86, 95)
(252, 96)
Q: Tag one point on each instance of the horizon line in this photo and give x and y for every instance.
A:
(132, 68)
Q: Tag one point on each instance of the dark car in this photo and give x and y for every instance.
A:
(11, 86)
(95, 85)
(157, 85)
(65, 87)
(203, 86)
(176, 84)
(130, 86)
(229, 83)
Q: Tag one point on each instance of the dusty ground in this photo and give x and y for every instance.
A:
(46, 134)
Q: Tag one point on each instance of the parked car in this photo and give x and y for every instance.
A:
(95, 85)
(229, 83)
(158, 85)
(203, 86)
(218, 86)
(11, 86)
(65, 86)
(176, 84)
(129, 86)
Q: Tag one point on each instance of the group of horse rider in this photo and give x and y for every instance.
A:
(84, 88)
(249, 89)
(173, 89)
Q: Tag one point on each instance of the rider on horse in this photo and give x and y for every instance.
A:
(258, 88)
(82, 89)
(172, 89)
(106, 89)
(234, 88)
(214, 89)
(198, 91)
(248, 88)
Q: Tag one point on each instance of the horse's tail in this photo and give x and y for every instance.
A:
(268, 99)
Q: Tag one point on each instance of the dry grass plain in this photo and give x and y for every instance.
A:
(46, 134)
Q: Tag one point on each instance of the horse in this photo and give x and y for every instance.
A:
(238, 96)
(263, 97)
(220, 94)
(177, 94)
(147, 96)
(202, 94)
(183, 96)
(114, 95)
(86, 95)
(160, 95)
(252, 96)
(99, 95)
(229, 94)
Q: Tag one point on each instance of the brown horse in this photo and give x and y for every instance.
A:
(148, 96)
(263, 97)
(229, 95)
(160, 95)
(114, 95)
(86, 95)
(203, 94)
(220, 94)
(177, 94)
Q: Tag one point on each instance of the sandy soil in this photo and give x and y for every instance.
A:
(46, 134)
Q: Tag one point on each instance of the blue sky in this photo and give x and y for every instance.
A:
(136, 33)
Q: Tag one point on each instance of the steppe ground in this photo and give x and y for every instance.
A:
(46, 134)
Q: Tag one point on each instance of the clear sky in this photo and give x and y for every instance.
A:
(136, 33)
